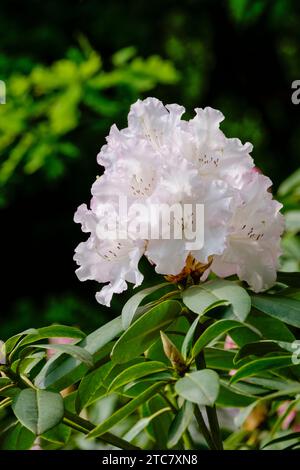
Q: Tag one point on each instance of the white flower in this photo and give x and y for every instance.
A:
(215, 156)
(162, 159)
(253, 244)
(114, 261)
(150, 120)
(170, 255)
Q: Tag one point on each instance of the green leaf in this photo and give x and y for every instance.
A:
(292, 221)
(135, 372)
(38, 410)
(77, 352)
(125, 411)
(91, 387)
(219, 359)
(176, 332)
(61, 371)
(60, 434)
(142, 424)
(133, 391)
(272, 383)
(116, 369)
(229, 397)
(180, 423)
(4, 381)
(199, 298)
(201, 387)
(159, 427)
(142, 333)
(122, 56)
(18, 437)
(130, 308)
(286, 437)
(188, 340)
(213, 332)
(270, 327)
(258, 365)
(244, 335)
(261, 348)
(289, 184)
(283, 308)
(25, 365)
(290, 279)
(263, 327)
(53, 331)
(11, 342)
(9, 391)
(292, 292)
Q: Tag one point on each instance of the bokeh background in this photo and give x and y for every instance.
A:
(72, 69)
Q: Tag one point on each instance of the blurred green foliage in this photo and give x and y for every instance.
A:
(289, 195)
(44, 106)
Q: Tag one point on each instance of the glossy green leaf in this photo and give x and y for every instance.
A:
(201, 387)
(61, 371)
(4, 381)
(283, 308)
(130, 308)
(38, 410)
(125, 411)
(159, 427)
(142, 333)
(53, 331)
(180, 423)
(133, 391)
(60, 434)
(219, 359)
(229, 397)
(91, 387)
(135, 372)
(262, 327)
(188, 340)
(213, 332)
(285, 438)
(244, 335)
(258, 365)
(270, 327)
(25, 366)
(199, 298)
(142, 424)
(116, 369)
(261, 348)
(9, 391)
(176, 332)
(18, 437)
(80, 354)
(11, 342)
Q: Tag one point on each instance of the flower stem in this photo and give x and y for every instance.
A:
(214, 426)
(210, 411)
(84, 426)
(203, 428)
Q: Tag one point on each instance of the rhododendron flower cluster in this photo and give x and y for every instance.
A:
(162, 158)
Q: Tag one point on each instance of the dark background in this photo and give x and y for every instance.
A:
(238, 56)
